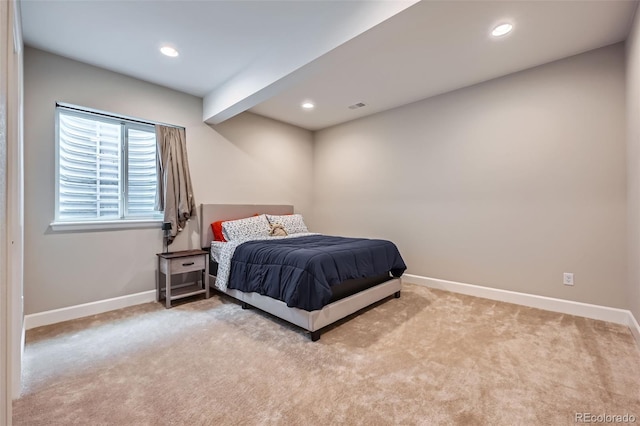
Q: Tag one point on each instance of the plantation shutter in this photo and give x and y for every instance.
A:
(89, 168)
(142, 174)
(106, 168)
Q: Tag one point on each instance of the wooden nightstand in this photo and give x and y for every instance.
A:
(180, 262)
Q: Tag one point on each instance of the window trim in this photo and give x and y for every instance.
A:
(93, 224)
(106, 114)
(106, 225)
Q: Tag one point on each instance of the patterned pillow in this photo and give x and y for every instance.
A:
(251, 227)
(292, 223)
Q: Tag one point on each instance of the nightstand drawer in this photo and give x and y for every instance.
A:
(187, 264)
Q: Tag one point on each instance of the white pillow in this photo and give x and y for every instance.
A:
(242, 229)
(293, 223)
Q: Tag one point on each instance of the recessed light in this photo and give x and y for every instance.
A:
(501, 30)
(169, 51)
(308, 105)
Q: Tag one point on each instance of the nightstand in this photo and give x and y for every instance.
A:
(180, 262)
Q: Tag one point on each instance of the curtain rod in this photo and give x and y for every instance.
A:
(110, 115)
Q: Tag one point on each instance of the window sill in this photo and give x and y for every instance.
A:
(106, 225)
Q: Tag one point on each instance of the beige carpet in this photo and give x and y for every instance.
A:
(428, 358)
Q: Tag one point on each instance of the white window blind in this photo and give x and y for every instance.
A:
(141, 172)
(106, 168)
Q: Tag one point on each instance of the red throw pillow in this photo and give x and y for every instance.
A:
(216, 228)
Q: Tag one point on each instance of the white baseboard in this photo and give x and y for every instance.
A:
(603, 313)
(634, 327)
(87, 309)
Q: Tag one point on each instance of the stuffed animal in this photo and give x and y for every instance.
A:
(277, 230)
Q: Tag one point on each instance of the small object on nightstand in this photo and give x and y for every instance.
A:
(179, 262)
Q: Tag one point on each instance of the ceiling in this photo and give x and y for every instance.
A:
(270, 56)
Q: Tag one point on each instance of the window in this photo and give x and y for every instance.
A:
(105, 168)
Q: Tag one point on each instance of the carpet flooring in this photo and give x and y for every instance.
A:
(428, 358)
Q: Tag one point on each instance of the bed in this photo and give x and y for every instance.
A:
(347, 297)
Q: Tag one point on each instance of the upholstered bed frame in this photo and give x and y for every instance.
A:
(312, 321)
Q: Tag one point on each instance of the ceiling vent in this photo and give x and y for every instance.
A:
(356, 106)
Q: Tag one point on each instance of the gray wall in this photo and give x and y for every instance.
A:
(506, 184)
(248, 160)
(633, 163)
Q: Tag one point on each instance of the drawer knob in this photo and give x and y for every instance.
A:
(188, 264)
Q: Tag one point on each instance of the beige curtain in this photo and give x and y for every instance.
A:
(175, 193)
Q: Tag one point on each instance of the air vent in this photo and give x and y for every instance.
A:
(356, 106)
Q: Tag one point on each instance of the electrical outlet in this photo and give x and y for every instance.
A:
(567, 278)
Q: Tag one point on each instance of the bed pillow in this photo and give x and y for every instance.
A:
(216, 228)
(292, 223)
(251, 227)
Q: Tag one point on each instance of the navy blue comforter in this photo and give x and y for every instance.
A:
(300, 271)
